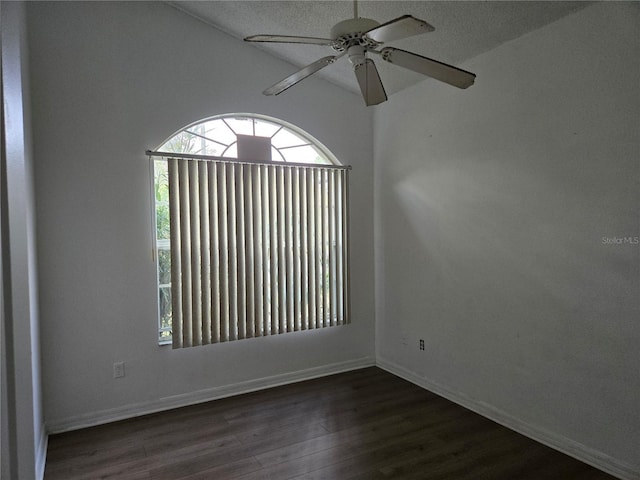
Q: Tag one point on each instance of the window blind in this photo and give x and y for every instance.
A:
(256, 249)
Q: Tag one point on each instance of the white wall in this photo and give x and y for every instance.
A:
(491, 208)
(109, 81)
(23, 434)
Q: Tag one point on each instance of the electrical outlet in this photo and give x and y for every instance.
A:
(421, 344)
(118, 370)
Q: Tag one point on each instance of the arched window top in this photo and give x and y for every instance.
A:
(248, 136)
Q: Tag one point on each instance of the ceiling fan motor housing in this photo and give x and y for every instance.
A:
(350, 32)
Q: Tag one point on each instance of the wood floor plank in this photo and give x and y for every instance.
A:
(301, 466)
(226, 471)
(360, 425)
(347, 438)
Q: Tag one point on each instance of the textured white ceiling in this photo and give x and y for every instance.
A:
(463, 29)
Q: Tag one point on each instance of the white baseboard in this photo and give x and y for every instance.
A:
(200, 396)
(558, 442)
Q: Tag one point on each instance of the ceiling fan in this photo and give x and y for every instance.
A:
(358, 37)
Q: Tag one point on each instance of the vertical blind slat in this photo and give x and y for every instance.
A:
(319, 250)
(212, 181)
(340, 259)
(176, 257)
(304, 256)
(332, 242)
(273, 250)
(311, 245)
(288, 244)
(327, 248)
(196, 278)
(256, 249)
(295, 219)
(185, 240)
(205, 258)
(224, 252)
(249, 252)
(346, 246)
(233, 253)
(266, 249)
(282, 260)
(240, 249)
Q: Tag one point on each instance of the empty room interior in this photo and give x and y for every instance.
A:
(465, 232)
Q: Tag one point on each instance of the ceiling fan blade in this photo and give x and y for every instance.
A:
(426, 66)
(290, 39)
(300, 75)
(401, 27)
(370, 83)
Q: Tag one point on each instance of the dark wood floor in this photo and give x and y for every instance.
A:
(364, 425)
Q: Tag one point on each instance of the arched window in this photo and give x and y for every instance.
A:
(227, 135)
(251, 231)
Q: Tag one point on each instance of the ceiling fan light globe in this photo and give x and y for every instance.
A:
(356, 55)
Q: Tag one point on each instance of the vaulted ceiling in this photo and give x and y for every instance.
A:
(463, 29)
